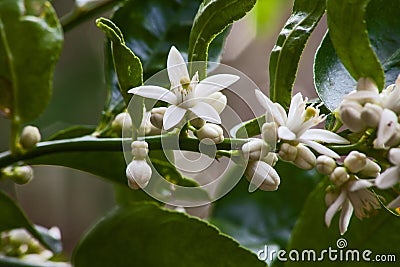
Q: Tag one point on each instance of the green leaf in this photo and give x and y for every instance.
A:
(72, 132)
(250, 128)
(147, 235)
(331, 78)
(260, 218)
(11, 217)
(285, 55)
(349, 37)
(378, 233)
(209, 22)
(30, 44)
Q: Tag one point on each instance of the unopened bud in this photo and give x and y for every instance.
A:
(355, 161)
(255, 149)
(211, 132)
(138, 173)
(339, 176)
(139, 149)
(269, 133)
(271, 159)
(19, 174)
(288, 152)
(30, 136)
(371, 169)
(120, 122)
(157, 116)
(350, 115)
(217, 100)
(371, 114)
(305, 159)
(367, 84)
(325, 165)
(197, 123)
(263, 176)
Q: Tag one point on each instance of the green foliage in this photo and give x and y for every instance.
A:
(211, 19)
(26, 69)
(331, 78)
(147, 235)
(11, 217)
(285, 55)
(250, 128)
(378, 233)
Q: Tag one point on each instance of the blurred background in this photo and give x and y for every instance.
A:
(73, 200)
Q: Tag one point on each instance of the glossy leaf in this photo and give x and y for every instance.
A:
(349, 37)
(285, 55)
(146, 235)
(30, 44)
(377, 233)
(260, 218)
(211, 19)
(331, 78)
(250, 128)
(11, 217)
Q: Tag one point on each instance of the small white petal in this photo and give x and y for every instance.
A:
(324, 136)
(358, 185)
(154, 92)
(214, 84)
(270, 107)
(345, 216)
(363, 96)
(285, 133)
(387, 127)
(206, 112)
(173, 115)
(394, 156)
(176, 67)
(395, 203)
(330, 212)
(321, 149)
(296, 109)
(388, 178)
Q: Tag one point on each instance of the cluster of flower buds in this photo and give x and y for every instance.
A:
(349, 191)
(18, 174)
(138, 171)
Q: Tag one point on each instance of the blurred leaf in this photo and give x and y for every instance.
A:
(331, 78)
(12, 217)
(349, 37)
(260, 218)
(146, 235)
(285, 55)
(250, 128)
(72, 132)
(378, 233)
(211, 19)
(30, 44)
(15, 262)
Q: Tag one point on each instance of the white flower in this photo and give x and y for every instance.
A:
(391, 175)
(185, 94)
(354, 197)
(295, 126)
(387, 128)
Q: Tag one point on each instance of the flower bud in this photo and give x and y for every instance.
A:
(325, 165)
(355, 161)
(19, 236)
(30, 136)
(269, 133)
(350, 115)
(138, 173)
(139, 149)
(197, 123)
(271, 159)
(367, 84)
(255, 149)
(305, 159)
(212, 132)
(288, 152)
(371, 114)
(120, 122)
(339, 176)
(217, 100)
(263, 176)
(157, 116)
(371, 169)
(19, 174)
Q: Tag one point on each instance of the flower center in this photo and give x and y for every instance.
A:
(311, 112)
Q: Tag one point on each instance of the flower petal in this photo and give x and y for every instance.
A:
(285, 133)
(345, 216)
(388, 178)
(270, 108)
(358, 185)
(172, 116)
(214, 84)
(206, 112)
(154, 92)
(296, 109)
(395, 203)
(330, 212)
(324, 136)
(176, 67)
(321, 149)
(387, 127)
(394, 156)
(363, 96)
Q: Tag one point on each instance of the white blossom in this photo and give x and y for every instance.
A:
(186, 94)
(391, 175)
